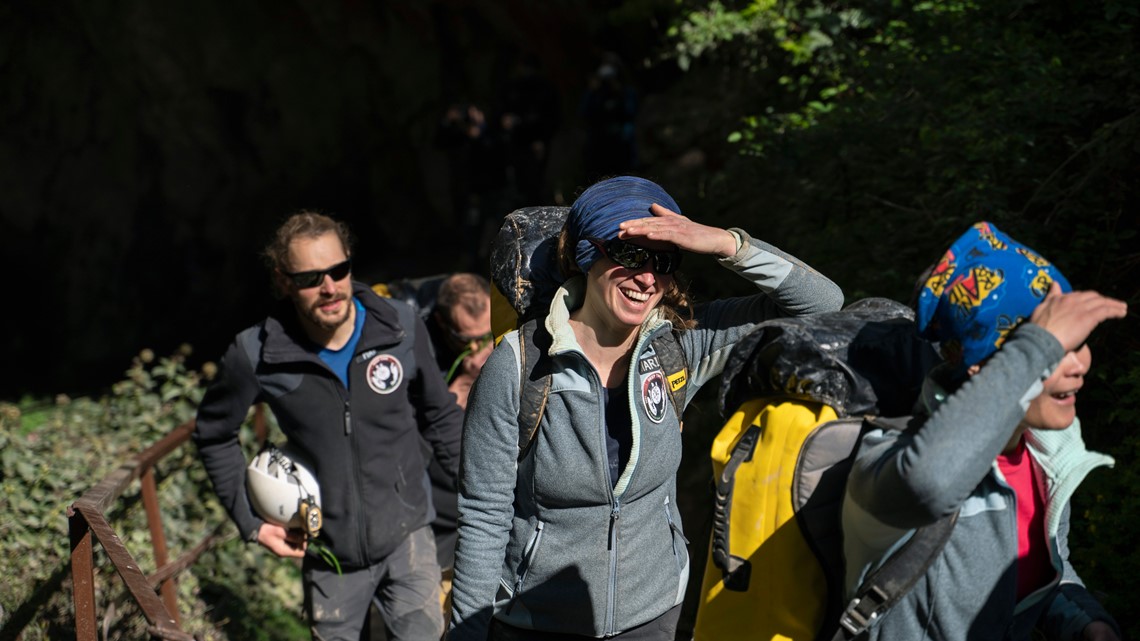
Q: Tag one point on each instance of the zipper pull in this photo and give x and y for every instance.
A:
(614, 515)
(347, 420)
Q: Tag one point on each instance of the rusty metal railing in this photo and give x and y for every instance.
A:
(86, 517)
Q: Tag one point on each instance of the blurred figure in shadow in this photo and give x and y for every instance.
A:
(477, 163)
(456, 310)
(530, 116)
(609, 110)
(460, 330)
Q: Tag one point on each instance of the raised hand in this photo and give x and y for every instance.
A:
(670, 227)
(1071, 317)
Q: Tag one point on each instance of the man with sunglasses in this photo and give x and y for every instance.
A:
(460, 330)
(352, 381)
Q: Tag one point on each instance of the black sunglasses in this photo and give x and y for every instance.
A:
(305, 280)
(633, 256)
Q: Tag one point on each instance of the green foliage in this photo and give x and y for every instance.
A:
(1106, 510)
(1106, 515)
(52, 453)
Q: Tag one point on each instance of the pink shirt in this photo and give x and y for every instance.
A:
(1034, 568)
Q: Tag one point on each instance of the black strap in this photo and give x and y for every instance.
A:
(736, 570)
(888, 584)
(667, 346)
(884, 587)
(534, 380)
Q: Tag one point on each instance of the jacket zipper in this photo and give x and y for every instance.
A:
(615, 513)
(361, 514)
(356, 489)
(615, 536)
(528, 558)
(619, 489)
(673, 527)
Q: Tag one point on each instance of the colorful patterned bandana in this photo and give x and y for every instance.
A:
(605, 205)
(984, 286)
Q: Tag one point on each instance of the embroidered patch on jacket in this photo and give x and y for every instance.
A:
(648, 363)
(653, 396)
(384, 374)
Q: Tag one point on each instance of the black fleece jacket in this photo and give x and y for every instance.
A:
(364, 442)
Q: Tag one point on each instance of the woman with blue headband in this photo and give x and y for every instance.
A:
(579, 537)
(995, 439)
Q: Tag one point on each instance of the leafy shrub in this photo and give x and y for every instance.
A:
(53, 452)
(1106, 516)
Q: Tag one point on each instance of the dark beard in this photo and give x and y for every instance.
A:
(325, 323)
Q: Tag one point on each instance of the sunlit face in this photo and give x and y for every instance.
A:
(624, 297)
(1056, 407)
(328, 305)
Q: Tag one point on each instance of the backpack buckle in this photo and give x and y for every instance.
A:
(862, 611)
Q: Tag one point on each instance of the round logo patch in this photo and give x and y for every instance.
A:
(653, 396)
(384, 374)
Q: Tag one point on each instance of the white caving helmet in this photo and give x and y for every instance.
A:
(283, 490)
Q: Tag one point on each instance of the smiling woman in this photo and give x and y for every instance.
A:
(583, 549)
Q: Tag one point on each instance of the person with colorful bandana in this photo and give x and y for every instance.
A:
(353, 383)
(996, 439)
(580, 537)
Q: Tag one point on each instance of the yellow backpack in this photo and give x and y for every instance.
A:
(800, 389)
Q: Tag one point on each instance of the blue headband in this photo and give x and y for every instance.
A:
(599, 211)
(983, 287)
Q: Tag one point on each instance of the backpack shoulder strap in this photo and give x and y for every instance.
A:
(534, 380)
(672, 358)
(884, 587)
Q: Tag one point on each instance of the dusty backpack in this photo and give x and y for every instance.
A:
(799, 392)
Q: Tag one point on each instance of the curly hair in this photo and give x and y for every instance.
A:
(302, 224)
(675, 304)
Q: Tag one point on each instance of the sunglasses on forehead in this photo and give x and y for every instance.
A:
(305, 280)
(633, 256)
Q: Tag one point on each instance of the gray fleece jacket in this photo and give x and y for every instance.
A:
(904, 480)
(545, 543)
